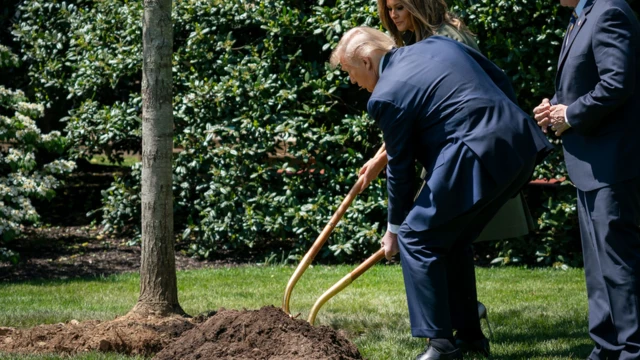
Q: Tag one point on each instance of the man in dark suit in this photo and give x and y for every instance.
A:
(596, 110)
(446, 106)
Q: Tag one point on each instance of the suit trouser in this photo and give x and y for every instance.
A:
(610, 230)
(438, 268)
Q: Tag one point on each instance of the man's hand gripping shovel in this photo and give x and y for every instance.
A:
(315, 248)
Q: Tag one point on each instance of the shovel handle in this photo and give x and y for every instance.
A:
(322, 238)
(343, 283)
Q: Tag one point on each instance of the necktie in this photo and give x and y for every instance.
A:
(572, 22)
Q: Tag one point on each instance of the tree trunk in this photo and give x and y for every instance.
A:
(158, 285)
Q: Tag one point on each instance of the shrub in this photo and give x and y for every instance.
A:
(266, 145)
(23, 174)
(268, 138)
(85, 62)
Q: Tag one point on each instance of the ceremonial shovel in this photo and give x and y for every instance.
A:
(315, 248)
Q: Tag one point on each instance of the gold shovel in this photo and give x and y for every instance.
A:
(343, 283)
(315, 248)
(353, 275)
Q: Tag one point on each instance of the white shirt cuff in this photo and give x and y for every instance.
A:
(566, 119)
(393, 228)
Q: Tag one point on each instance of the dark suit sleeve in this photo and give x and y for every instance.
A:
(396, 125)
(614, 55)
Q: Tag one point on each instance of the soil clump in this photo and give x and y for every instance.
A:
(268, 333)
(126, 335)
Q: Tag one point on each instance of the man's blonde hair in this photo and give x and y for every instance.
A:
(358, 43)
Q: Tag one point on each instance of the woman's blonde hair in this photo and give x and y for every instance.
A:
(358, 43)
(426, 17)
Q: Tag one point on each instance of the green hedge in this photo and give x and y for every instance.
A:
(25, 174)
(249, 79)
(269, 138)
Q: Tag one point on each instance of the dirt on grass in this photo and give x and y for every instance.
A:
(126, 335)
(69, 246)
(267, 333)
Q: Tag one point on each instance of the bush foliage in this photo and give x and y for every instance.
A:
(268, 138)
(24, 174)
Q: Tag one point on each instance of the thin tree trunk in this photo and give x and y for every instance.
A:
(158, 285)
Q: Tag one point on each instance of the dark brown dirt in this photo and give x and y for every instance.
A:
(126, 335)
(262, 334)
(68, 246)
(66, 252)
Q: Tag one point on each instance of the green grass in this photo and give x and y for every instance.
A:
(535, 314)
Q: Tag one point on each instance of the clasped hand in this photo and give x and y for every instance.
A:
(553, 116)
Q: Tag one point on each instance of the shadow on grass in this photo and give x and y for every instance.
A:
(525, 336)
(517, 335)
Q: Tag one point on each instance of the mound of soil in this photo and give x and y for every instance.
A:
(262, 334)
(127, 335)
(268, 333)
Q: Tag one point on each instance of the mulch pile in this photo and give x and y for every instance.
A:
(267, 333)
(124, 335)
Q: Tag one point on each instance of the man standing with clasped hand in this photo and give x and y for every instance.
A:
(596, 110)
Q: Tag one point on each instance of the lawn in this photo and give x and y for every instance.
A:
(534, 314)
(127, 160)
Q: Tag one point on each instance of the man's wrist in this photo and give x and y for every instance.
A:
(383, 157)
(393, 228)
(566, 118)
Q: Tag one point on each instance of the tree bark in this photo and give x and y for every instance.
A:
(158, 284)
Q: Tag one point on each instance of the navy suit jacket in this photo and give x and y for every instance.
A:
(446, 106)
(599, 80)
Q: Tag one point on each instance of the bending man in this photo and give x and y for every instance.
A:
(446, 106)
